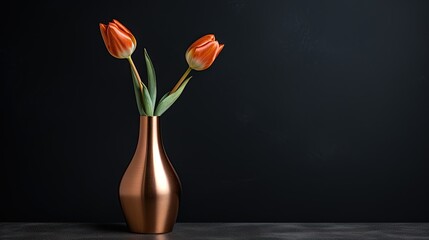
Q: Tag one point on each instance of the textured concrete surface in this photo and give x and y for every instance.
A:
(218, 231)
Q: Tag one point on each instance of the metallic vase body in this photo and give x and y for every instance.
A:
(150, 189)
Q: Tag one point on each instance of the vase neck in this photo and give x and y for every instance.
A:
(150, 131)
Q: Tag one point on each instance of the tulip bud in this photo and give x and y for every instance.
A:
(119, 41)
(202, 53)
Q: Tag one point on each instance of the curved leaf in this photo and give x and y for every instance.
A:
(151, 77)
(168, 100)
(163, 97)
(147, 101)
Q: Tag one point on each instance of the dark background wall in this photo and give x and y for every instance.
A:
(314, 111)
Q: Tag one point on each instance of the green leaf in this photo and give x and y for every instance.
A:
(138, 93)
(168, 100)
(151, 78)
(163, 97)
(147, 101)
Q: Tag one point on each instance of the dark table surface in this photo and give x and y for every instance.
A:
(218, 231)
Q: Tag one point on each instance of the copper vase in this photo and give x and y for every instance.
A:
(150, 189)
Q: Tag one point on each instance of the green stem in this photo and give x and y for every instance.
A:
(133, 66)
(181, 80)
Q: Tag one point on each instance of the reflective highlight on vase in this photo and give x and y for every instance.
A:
(150, 188)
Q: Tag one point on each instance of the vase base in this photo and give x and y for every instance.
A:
(147, 231)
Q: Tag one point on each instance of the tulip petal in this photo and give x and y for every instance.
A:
(124, 29)
(103, 31)
(120, 45)
(204, 56)
(190, 59)
(219, 49)
(202, 41)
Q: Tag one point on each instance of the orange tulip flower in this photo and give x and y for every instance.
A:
(202, 53)
(200, 56)
(119, 41)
